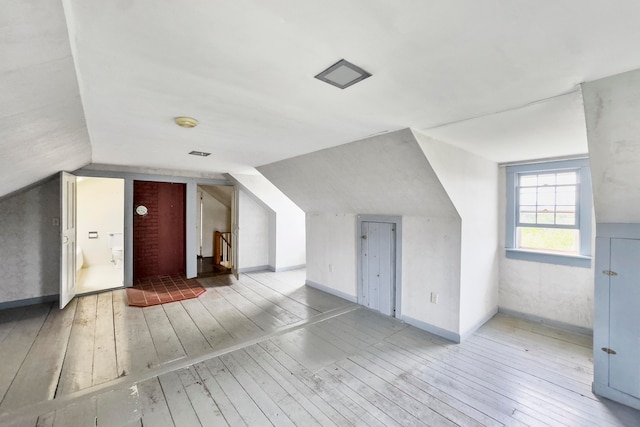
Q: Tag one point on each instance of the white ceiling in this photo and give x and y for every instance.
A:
(245, 70)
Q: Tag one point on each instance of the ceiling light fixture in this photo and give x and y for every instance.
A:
(186, 122)
(200, 153)
(343, 74)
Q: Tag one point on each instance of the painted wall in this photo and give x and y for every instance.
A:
(100, 207)
(472, 184)
(216, 217)
(253, 237)
(611, 107)
(383, 175)
(431, 263)
(288, 246)
(30, 249)
(560, 294)
(332, 247)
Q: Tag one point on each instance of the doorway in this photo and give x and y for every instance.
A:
(378, 264)
(99, 234)
(213, 229)
(159, 229)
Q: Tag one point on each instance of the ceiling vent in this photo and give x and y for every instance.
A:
(200, 153)
(343, 74)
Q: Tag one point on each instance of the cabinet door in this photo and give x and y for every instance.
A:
(624, 316)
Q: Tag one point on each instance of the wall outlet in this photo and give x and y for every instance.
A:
(434, 297)
(330, 268)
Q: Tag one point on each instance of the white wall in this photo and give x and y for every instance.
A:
(472, 184)
(216, 217)
(431, 263)
(558, 293)
(383, 175)
(331, 242)
(253, 238)
(100, 207)
(30, 249)
(288, 246)
(612, 108)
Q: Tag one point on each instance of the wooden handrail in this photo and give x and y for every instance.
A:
(221, 247)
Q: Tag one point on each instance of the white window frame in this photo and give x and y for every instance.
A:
(584, 208)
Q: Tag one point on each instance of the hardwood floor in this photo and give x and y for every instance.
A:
(266, 350)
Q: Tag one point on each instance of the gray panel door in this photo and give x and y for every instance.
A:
(378, 258)
(624, 317)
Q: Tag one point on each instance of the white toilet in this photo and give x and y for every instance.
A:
(116, 243)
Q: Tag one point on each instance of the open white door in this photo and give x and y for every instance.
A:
(68, 238)
(234, 232)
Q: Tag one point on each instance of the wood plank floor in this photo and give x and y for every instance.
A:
(266, 350)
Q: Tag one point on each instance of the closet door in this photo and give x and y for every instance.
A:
(624, 316)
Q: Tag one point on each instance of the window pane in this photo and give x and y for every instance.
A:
(565, 215)
(549, 239)
(567, 178)
(547, 196)
(566, 195)
(528, 196)
(527, 215)
(546, 215)
(547, 179)
(528, 180)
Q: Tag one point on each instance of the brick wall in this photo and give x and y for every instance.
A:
(159, 236)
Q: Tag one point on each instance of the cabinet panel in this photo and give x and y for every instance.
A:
(624, 316)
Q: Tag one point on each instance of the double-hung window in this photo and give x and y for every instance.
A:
(549, 212)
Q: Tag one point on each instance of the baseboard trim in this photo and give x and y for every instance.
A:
(548, 322)
(327, 289)
(485, 319)
(615, 395)
(256, 268)
(442, 333)
(28, 301)
(293, 267)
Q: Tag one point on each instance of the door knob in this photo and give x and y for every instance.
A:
(364, 237)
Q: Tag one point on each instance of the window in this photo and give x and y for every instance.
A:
(549, 212)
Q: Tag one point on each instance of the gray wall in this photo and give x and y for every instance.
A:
(30, 248)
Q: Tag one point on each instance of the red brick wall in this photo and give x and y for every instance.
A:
(159, 236)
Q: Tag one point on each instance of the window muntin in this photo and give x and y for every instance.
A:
(548, 200)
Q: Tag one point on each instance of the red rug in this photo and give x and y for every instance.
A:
(163, 289)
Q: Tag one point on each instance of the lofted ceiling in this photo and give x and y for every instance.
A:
(498, 78)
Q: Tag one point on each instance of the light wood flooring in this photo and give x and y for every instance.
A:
(266, 350)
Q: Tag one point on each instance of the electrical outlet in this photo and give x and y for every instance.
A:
(434, 297)
(330, 268)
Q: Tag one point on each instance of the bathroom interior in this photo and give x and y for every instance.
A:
(100, 234)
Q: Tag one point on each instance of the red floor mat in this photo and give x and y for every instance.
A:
(162, 289)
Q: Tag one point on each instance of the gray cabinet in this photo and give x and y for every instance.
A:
(617, 318)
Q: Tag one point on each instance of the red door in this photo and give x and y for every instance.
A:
(159, 232)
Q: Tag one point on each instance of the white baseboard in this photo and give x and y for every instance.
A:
(327, 289)
(549, 322)
(443, 333)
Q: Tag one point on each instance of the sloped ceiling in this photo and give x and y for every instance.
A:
(245, 70)
(386, 175)
(42, 126)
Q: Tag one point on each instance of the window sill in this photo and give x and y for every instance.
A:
(549, 258)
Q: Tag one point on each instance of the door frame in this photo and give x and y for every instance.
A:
(391, 219)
